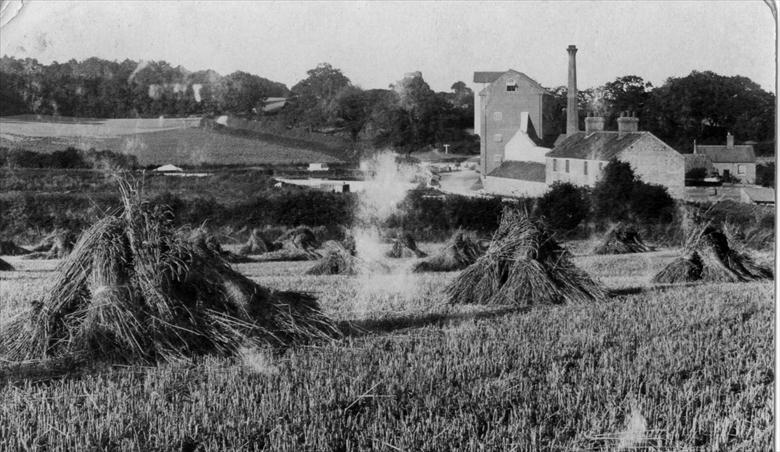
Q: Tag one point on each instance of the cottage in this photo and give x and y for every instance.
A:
(580, 157)
(732, 162)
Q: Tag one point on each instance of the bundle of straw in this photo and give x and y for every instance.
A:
(201, 238)
(707, 256)
(523, 266)
(622, 239)
(256, 244)
(135, 290)
(404, 247)
(5, 266)
(337, 259)
(461, 250)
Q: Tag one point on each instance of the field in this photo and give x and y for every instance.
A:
(155, 141)
(659, 368)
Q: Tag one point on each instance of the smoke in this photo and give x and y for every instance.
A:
(386, 186)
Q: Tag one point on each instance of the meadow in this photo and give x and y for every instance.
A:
(158, 141)
(686, 367)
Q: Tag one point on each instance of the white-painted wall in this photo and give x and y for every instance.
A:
(514, 187)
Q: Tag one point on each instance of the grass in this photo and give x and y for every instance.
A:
(416, 374)
(157, 142)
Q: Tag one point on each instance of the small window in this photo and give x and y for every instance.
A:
(567, 166)
(498, 138)
(511, 85)
(601, 166)
(497, 116)
(740, 169)
(555, 164)
(585, 168)
(497, 159)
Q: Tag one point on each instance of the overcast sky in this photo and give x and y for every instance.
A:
(375, 43)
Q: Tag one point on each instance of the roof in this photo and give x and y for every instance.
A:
(697, 161)
(490, 77)
(760, 194)
(595, 145)
(168, 168)
(487, 76)
(723, 154)
(530, 171)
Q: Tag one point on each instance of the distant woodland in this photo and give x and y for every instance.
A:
(408, 115)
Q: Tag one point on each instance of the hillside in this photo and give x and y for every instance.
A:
(162, 141)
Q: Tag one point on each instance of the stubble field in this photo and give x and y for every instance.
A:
(654, 368)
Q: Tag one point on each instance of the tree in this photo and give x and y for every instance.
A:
(626, 93)
(612, 193)
(564, 206)
(314, 94)
(703, 106)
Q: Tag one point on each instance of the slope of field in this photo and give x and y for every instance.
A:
(664, 368)
(157, 141)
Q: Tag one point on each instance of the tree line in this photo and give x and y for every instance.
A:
(407, 116)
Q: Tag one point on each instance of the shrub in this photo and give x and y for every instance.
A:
(612, 194)
(696, 173)
(564, 206)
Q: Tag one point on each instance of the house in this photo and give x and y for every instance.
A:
(518, 179)
(758, 195)
(508, 102)
(318, 167)
(580, 157)
(730, 160)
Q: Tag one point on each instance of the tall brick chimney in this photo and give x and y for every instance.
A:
(571, 105)
(729, 140)
(627, 123)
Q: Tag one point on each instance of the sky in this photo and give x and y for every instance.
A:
(375, 43)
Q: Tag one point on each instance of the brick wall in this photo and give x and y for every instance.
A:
(656, 163)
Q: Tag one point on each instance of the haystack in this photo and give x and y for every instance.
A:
(460, 251)
(201, 238)
(5, 266)
(337, 259)
(134, 290)
(707, 256)
(405, 247)
(300, 238)
(256, 244)
(524, 266)
(8, 248)
(299, 244)
(56, 245)
(622, 239)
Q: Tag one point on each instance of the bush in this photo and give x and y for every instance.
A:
(620, 196)
(696, 173)
(765, 174)
(564, 207)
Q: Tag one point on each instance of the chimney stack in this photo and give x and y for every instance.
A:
(627, 123)
(572, 121)
(594, 124)
(729, 140)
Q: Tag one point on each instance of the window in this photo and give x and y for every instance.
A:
(740, 169)
(585, 168)
(498, 138)
(511, 85)
(555, 164)
(567, 166)
(497, 159)
(601, 166)
(497, 116)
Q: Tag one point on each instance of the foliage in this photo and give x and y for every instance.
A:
(70, 158)
(564, 206)
(698, 173)
(96, 88)
(620, 196)
(765, 174)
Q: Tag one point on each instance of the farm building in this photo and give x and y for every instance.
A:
(513, 120)
(580, 157)
(758, 195)
(318, 167)
(730, 160)
(510, 101)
